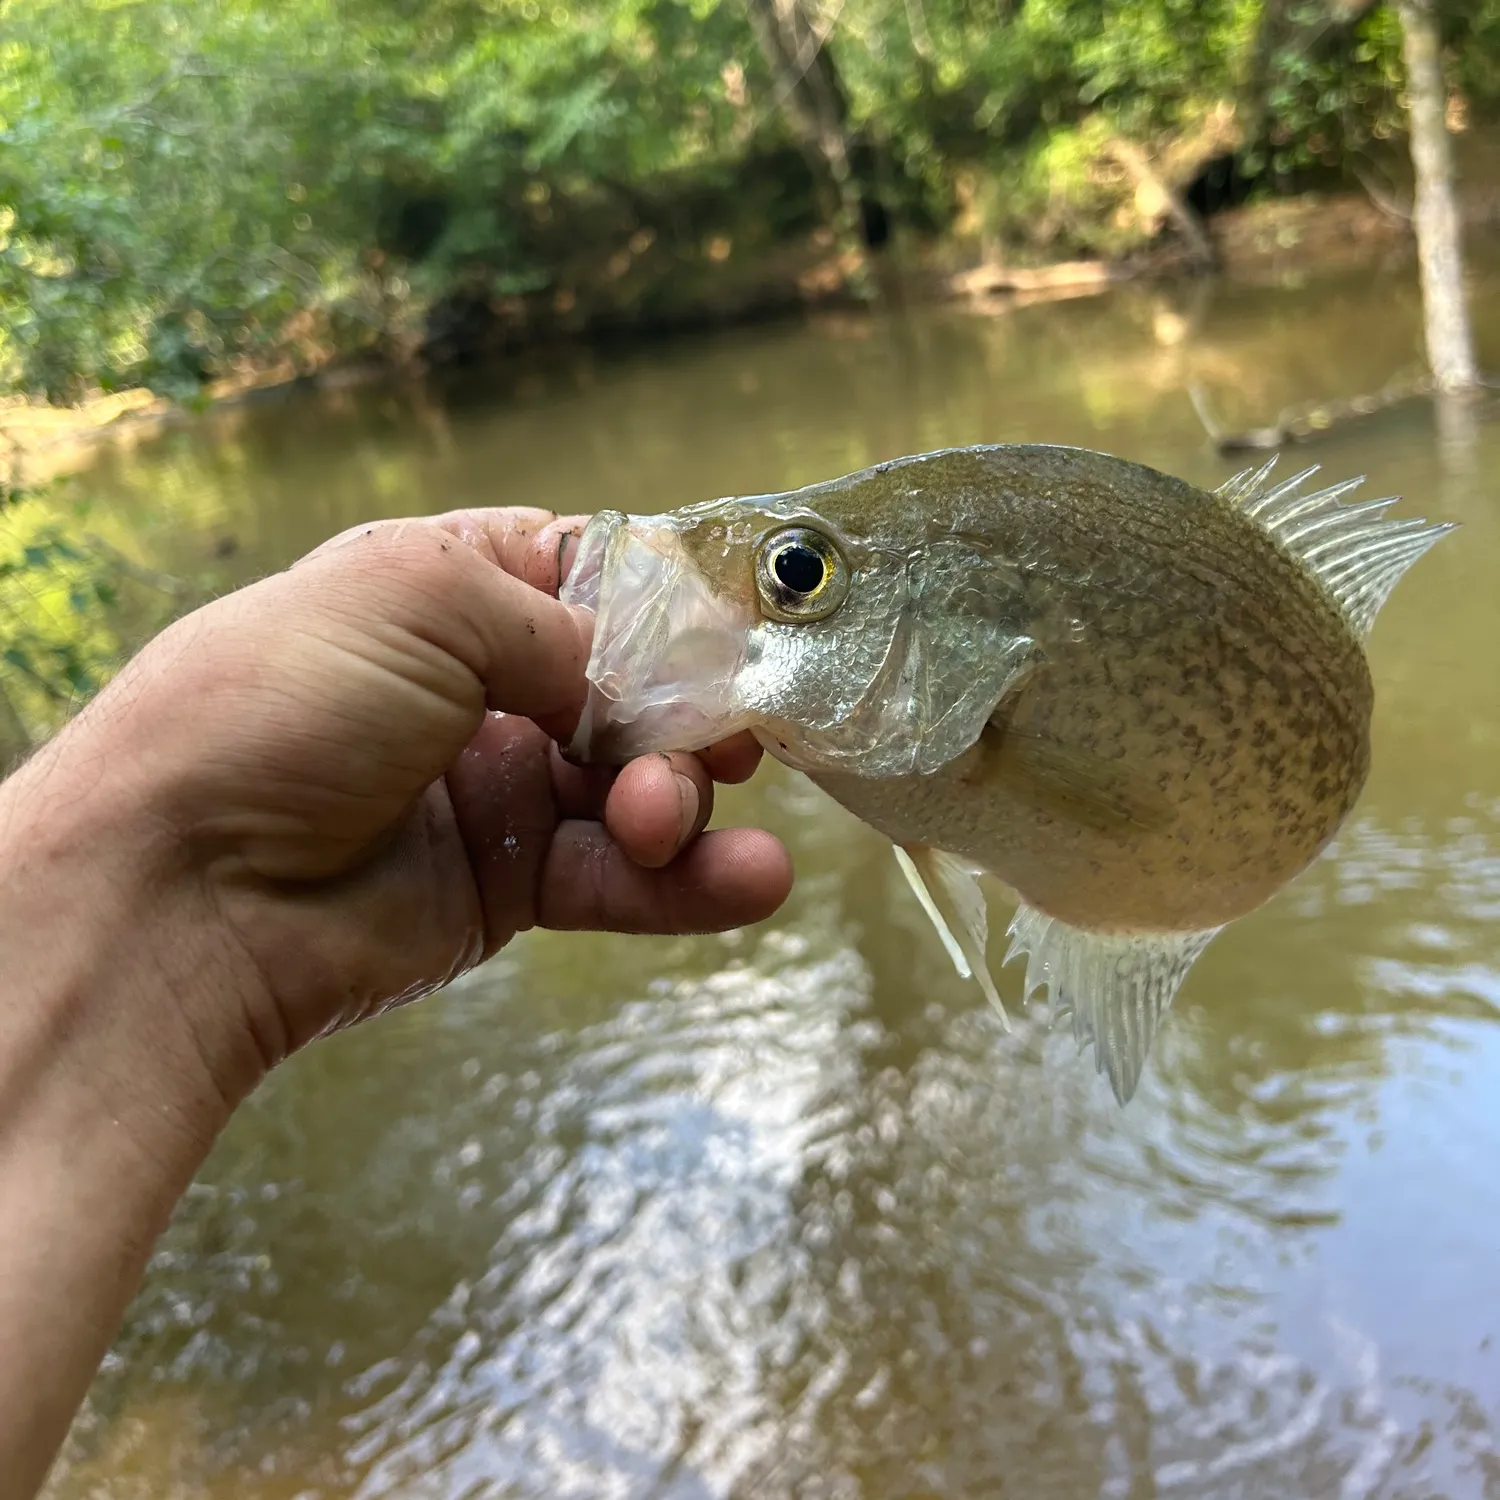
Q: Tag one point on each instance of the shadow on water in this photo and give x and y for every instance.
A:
(784, 1212)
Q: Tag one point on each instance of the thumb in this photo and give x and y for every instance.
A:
(419, 584)
(299, 718)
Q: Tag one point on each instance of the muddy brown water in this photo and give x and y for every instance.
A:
(783, 1213)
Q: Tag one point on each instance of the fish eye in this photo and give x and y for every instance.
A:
(799, 569)
(801, 575)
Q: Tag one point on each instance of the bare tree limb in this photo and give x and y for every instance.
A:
(1141, 168)
(808, 88)
(1380, 197)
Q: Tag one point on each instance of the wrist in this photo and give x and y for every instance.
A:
(114, 1081)
(122, 990)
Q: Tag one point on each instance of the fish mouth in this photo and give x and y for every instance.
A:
(667, 649)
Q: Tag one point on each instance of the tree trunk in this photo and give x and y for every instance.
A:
(808, 87)
(811, 94)
(1450, 343)
(1270, 36)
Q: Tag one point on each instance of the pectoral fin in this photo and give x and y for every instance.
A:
(949, 891)
(1116, 986)
(1104, 795)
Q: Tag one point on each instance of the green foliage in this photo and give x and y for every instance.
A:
(76, 601)
(1333, 88)
(1328, 97)
(153, 158)
(1061, 191)
(1024, 89)
(191, 187)
(58, 603)
(191, 182)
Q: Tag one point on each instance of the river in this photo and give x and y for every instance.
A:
(783, 1213)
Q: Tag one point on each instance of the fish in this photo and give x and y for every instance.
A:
(1142, 706)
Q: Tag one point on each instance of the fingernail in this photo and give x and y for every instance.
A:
(687, 799)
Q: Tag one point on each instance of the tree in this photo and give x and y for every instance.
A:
(1450, 341)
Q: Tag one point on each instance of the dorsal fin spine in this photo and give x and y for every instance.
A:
(1354, 552)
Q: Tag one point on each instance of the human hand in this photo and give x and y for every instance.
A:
(353, 761)
(317, 797)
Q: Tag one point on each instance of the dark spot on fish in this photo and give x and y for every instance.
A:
(530, 628)
(1287, 813)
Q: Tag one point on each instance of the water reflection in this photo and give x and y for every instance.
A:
(783, 1213)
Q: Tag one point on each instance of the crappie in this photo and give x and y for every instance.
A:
(1143, 706)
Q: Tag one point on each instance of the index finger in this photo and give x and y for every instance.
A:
(397, 590)
(534, 545)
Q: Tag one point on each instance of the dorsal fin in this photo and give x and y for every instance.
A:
(1352, 550)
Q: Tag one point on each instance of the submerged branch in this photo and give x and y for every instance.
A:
(1300, 424)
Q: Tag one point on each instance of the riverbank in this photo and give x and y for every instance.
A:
(1287, 241)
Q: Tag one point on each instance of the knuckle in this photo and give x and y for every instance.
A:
(422, 561)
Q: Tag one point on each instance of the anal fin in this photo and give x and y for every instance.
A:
(949, 891)
(1116, 986)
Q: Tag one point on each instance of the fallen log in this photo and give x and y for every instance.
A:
(992, 280)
